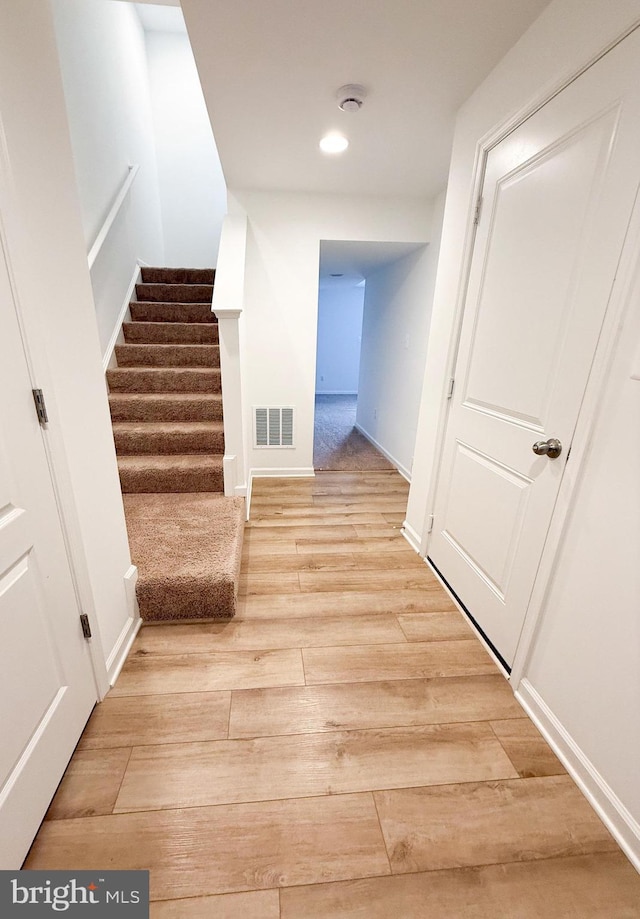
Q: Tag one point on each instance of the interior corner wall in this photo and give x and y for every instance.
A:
(586, 658)
(193, 193)
(104, 69)
(395, 332)
(281, 297)
(46, 245)
(339, 339)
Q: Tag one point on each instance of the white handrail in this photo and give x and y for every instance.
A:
(111, 216)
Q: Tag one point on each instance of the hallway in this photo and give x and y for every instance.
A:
(337, 444)
(343, 748)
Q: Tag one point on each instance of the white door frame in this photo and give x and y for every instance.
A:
(41, 378)
(629, 270)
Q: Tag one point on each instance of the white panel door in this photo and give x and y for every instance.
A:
(47, 688)
(557, 197)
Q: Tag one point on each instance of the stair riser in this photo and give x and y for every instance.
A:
(170, 333)
(134, 481)
(175, 293)
(149, 355)
(164, 380)
(139, 443)
(178, 275)
(169, 603)
(195, 409)
(143, 311)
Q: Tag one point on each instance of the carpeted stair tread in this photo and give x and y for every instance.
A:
(164, 379)
(166, 406)
(168, 437)
(193, 472)
(175, 293)
(151, 275)
(167, 355)
(146, 311)
(196, 574)
(166, 333)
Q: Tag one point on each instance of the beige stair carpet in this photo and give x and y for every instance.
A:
(198, 578)
(166, 408)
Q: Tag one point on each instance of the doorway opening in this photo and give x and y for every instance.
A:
(371, 318)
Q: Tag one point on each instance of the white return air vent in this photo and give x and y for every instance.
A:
(273, 427)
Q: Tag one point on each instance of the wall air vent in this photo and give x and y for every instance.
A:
(273, 427)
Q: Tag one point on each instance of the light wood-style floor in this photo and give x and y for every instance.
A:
(343, 749)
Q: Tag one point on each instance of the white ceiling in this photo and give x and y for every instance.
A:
(270, 70)
(157, 18)
(355, 261)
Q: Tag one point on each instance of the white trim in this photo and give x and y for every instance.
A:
(620, 823)
(412, 536)
(111, 216)
(337, 392)
(121, 648)
(292, 472)
(404, 472)
(232, 488)
(123, 315)
(295, 472)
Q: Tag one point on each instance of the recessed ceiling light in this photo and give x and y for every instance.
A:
(334, 143)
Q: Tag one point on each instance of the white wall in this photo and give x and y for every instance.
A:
(193, 194)
(339, 337)
(586, 660)
(47, 250)
(395, 333)
(281, 296)
(104, 69)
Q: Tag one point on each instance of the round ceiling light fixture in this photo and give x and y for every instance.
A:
(350, 97)
(334, 143)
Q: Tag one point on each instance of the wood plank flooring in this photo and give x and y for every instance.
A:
(343, 748)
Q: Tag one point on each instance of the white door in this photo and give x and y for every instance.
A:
(557, 197)
(47, 688)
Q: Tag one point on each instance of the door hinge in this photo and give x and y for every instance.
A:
(452, 383)
(86, 628)
(478, 211)
(41, 408)
(430, 527)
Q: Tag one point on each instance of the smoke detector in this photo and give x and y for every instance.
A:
(351, 97)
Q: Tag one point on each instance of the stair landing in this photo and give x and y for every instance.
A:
(166, 407)
(188, 550)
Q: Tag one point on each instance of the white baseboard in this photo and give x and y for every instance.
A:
(336, 392)
(232, 488)
(107, 357)
(412, 537)
(292, 472)
(404, 472)
(121, 649)
(295, 472)
(620, 823)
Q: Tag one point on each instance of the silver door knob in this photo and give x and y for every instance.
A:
(551, 448)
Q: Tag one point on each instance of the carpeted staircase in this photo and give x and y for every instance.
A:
(166, 408)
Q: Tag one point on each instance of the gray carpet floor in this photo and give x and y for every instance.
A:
(337, 445)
